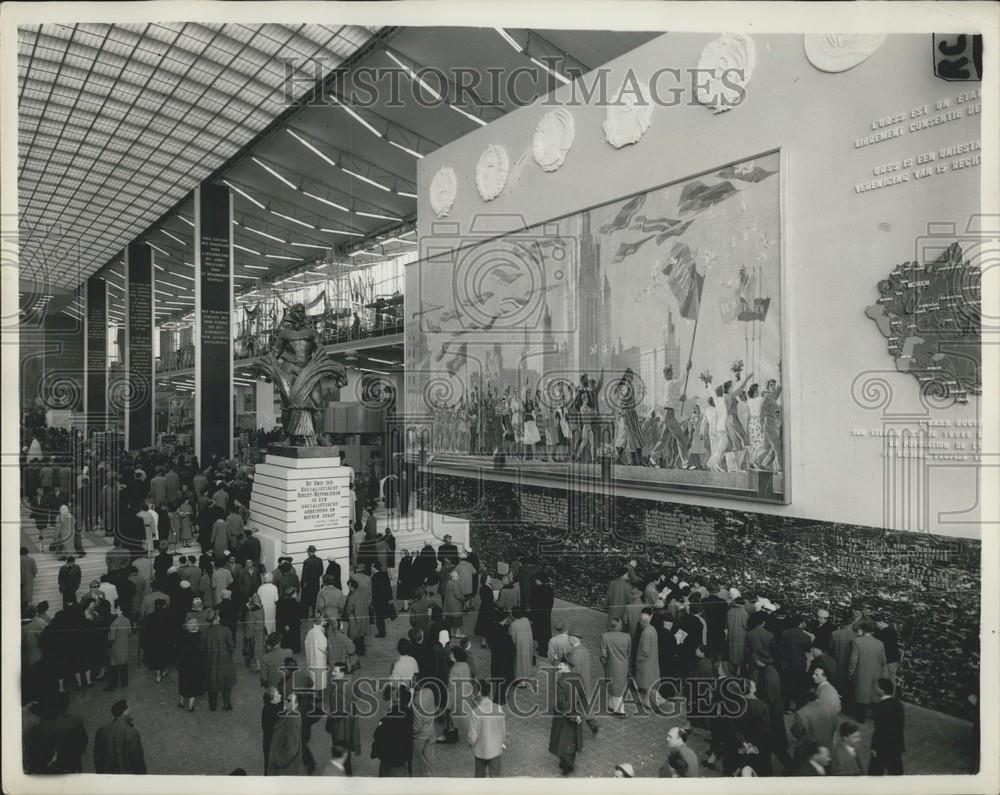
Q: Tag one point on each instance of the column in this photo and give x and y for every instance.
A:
(95, 356)
(139, 318)
(213, 310)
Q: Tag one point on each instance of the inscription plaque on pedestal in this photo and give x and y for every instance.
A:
(299, 502)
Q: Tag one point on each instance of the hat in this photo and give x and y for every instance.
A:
(310, 548)
(268, 577)
(821, 613)
(683, 585)
(734, 593)
(185, 584)
(95, 583)
(119, 707)
(766, 604)
(443, 637)
(627, 770)
(331, 559)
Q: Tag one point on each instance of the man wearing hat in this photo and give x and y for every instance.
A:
(566, 732)
(312, 574)
(760, 641)
(117, 745)
(447, 550)
(578, 658)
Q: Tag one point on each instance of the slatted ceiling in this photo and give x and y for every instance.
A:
(164, 104)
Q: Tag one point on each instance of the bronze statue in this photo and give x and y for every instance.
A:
(297, 364)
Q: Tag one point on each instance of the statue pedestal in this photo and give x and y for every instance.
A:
(301, 496)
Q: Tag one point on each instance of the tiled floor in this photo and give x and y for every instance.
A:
(205, 742)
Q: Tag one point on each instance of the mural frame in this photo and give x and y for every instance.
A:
(445, 464)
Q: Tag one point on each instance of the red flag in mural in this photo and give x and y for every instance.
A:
(684, 280)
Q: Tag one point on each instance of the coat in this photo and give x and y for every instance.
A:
(520, 634)
(565, 733)
(579, 660)
(316, 646)
(794, 644)
(866, 666)
(29, 570)
(404, 584)
(736, 625)
(118, 635)
(487, 609)
(454, 601)
(647, 658)
(285, 754)
(841, 646)
(356, 615)
(381, 593)
(487, 730)
(330, 602)
(619, 595)
(888, 738)
(761, 642)
(814, 722)
(268, 594)
(118, 749)
(342, 721)
(217, 648)
(190, 665)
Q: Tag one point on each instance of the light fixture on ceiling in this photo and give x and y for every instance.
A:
(281, 256)
(243, 193)
(172, 236)
(257, 267)
(274, 173)
(357, 117)
(340, 232)
(509, 39)
(333, 204)
(407, 149)
(186, 220)
(263, 234)
(293, 220)
(309, 146)
(368, 180)
(377, 215)
(406, 194)
(247, 250)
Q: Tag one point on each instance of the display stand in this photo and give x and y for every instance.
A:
(301, 496)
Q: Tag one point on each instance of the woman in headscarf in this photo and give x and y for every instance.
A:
(191, 670)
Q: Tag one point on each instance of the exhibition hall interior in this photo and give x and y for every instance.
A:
(483, 401)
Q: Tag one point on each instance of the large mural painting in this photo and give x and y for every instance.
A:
(640, 340)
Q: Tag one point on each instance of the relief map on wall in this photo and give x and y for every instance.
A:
(930, 314)
(639, 340)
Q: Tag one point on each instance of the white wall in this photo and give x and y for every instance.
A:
(838, 243)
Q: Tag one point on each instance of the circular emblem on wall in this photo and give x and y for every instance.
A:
(627, 118)
(838, 52)
(491, 172)
(442, 191)
(553, 139)
(733, 56)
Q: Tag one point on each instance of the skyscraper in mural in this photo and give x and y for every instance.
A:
(589, 300)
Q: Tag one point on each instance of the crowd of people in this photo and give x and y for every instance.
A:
(830, 674)
(697, 645)
(738, 429)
